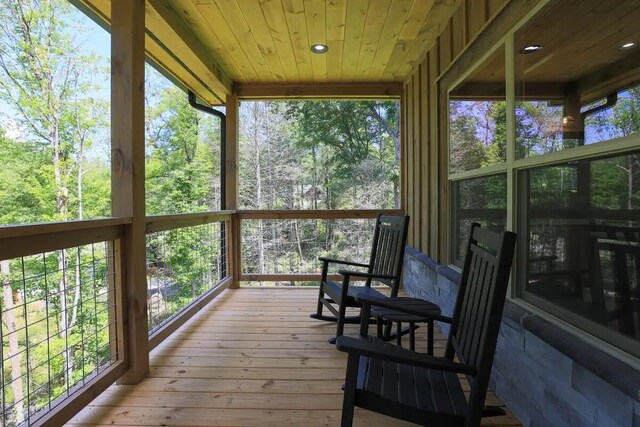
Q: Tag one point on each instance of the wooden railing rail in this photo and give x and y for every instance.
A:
(30, 239)
(318, 214)
(157, 223)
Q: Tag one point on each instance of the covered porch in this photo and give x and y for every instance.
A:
(500, 122)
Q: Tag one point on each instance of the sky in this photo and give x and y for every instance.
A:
(91, 38)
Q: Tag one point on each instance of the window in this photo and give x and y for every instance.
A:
(566, 175)
(580, 231)
(478, 140)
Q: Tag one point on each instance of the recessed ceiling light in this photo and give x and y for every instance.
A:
(319, 48)
(628, 45)
(531, 48)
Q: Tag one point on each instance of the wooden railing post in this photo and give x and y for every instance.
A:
(233, 237)
(127, 174)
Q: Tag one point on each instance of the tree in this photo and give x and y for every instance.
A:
(466, 151)
(45, 79)
(182, 154)
(344, 134)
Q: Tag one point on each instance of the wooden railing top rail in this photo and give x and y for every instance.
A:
(31, 239)
(23, 230)
(316, 214)
(157, 223)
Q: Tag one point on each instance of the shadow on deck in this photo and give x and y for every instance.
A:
(252, 357)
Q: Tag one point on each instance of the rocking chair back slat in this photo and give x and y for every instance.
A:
(478, 310)
(386, 252)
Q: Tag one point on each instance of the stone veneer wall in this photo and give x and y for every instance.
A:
(545, 375)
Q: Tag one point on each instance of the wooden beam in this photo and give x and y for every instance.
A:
(321, 90)
(127, 173)
(297, 277)
(492, 33)
(609, 79)
(171, 222)
(231, 145)
(220, 82)
(25, 230)
(316, 214)
(475, 90)
(31, 244)
(234, 252)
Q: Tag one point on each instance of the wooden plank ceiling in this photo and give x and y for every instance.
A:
(212, 45)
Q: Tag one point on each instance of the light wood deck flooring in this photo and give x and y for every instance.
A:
(252, 357)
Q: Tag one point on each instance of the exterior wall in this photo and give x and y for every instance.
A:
(545, 375)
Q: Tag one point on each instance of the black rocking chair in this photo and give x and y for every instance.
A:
(385, 266)
(421, 388)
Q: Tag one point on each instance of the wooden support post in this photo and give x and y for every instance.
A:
(127, 176)
(234, 239)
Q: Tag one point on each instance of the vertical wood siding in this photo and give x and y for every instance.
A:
(424, 160)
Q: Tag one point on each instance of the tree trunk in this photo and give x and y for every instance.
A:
(14, 346)
(256, 144)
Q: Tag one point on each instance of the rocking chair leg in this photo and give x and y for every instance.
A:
(341, 314)
(412, 337)
(319, 308)
(349, 401)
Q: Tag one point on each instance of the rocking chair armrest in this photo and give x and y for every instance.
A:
(378, 349)
(422, 308)
(365, 275)
(344, 262)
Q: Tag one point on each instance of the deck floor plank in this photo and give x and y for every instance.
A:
(252, 357)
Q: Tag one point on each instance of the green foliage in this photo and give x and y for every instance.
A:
(182, 155)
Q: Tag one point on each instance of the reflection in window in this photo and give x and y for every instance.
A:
(614, 121)
(539, 129)
(478, 118)
(582, 232)
(482, 200)
(477, 134)
(577, 89)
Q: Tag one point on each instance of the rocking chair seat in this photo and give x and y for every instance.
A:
(418, 393)
(334, 291)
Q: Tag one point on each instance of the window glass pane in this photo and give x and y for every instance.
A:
(482, 200)
(617, 116)
(478, 119)
(580, 89)
(581, 223)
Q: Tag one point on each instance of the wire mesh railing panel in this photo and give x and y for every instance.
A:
(289, 246)
(58, 327)
(182, 265)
